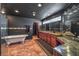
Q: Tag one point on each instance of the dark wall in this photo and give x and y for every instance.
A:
(72, 18)
(55, 25)
(19, 22)
(75, 28)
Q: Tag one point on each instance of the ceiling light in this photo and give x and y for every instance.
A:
(16, 11)
(39, 5)
(34, 13)
(2, 12)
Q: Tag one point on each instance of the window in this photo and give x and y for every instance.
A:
(52, 20)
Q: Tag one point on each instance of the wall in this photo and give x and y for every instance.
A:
(4, 24)
(19, 22)
(3, 27)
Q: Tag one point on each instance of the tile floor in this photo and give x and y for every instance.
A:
(29, 48)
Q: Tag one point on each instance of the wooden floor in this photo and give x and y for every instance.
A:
(29, 48)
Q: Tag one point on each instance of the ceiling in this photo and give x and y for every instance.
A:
(26, 9)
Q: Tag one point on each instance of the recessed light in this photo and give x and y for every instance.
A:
(39, 5)
(34, 13)
(16, 11)
(2, 12)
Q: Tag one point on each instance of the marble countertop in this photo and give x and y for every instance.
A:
(70, 48)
